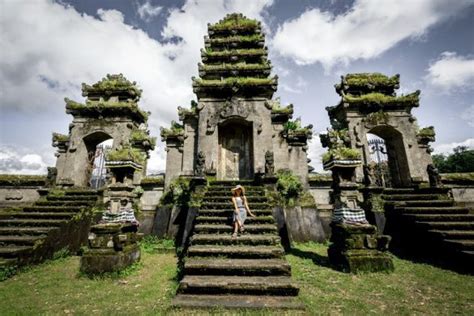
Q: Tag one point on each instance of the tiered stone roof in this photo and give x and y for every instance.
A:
(112, 96)
(234, 60)
(372, 92)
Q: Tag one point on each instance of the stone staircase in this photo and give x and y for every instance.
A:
(55, 222)
(249, 271)
(427, 222)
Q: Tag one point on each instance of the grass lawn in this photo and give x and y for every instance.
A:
(56, 288)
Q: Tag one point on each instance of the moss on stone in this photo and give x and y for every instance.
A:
(22, 180)
(458, 178)
(126, 154)
(376, 98)
(426, 132)
(341, 153)
(175, 130)
(235, 21)
(139, 135)
(235, 81)
(100, 106)
(158, 181)
(371, 79)
(236, 52)
(236, 66)
(238, 38)
(57, 137)
(112, 84)
(375, 118)
(320, 177)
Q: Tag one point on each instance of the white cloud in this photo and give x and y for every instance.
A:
(365, 31)
(448, 147)
(49, 48)
(147, 11)
(21, 161)
(451, 71)
(298, 87)
(315, 152)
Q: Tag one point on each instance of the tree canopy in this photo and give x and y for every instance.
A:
(462, 160)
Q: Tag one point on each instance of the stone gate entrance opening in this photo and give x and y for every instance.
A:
(97, 159)
(387, 156)
(235, 151)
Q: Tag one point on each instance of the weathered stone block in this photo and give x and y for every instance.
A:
(99, 261)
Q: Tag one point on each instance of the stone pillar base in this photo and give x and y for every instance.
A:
(358, 248)
(112, 247)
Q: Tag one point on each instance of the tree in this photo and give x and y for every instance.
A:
(462, 160)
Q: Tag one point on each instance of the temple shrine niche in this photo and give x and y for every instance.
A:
(235, 121)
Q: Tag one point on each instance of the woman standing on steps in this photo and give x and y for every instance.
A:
(240, 209)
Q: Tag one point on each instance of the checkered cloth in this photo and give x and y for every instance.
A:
(122, 217)
(348, 215)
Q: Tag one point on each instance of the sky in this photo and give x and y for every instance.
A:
(48, 48)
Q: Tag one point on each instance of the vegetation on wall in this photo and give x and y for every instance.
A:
(461, 160)
(383, 99)
(22, 180)
(234, 21)
(139, 135)
(238, 38)
(426, 132)
(178, 193)
(341, 153)
(235, 52)
(371, 79)
(126, 154)
(235, 81)
(175, 129)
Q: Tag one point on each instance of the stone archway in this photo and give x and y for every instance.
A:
(396, 155)
(235, 160)
(91, 142)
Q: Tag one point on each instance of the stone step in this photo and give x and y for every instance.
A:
(41, 215)
(224, 205)
(20, 240)
(228, 219)
(64, 203)
(228, 199)
(50, 209)
(428, 190)
(231, 182)
(433, 210)
(256, 285)
(447, 225)
(249, 252)
(25, 230)
(219, 229)
(440, 217)
(5, 263)
(81, 192)
(454, 234)
(226, 239)
(228, 212)
(460, 244)
(32, 222)
(223, 193)
(422, 203)
(237, 302)
(91, 198)
(213, 266)
(407, 197)
(13, 251)
(228, 188)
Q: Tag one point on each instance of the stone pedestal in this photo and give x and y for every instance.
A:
(358, 248)
(112, 247)
(355, 244)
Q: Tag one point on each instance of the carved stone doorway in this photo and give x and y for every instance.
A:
(235, 151)
(391, 156)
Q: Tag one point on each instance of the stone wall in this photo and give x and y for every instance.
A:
(20, 190)
(150, 199)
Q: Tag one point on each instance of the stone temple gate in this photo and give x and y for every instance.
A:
(369, 105)
(235, 128)
(110, 112)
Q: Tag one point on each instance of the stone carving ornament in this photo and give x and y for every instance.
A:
(232, 109)
(269, 164)
(200, 164)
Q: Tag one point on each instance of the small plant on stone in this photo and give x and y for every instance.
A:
(289, 186)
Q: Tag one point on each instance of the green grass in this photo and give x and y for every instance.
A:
(57, 288)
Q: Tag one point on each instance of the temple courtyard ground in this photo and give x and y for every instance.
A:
(56, 287)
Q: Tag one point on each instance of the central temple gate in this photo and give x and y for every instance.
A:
(235, 151)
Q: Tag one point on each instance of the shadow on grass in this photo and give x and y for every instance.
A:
(317, 259)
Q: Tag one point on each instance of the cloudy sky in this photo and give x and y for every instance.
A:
(48, 48)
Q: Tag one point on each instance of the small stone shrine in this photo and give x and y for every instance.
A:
(235, 124)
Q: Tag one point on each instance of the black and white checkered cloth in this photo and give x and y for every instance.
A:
(348, 215)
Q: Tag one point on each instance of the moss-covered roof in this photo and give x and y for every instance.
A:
(361, 83)
(382, 100)
(234, 60)
(22, 180)
(175, 130)
(112, 85)
(141, 136)
(102, 108)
